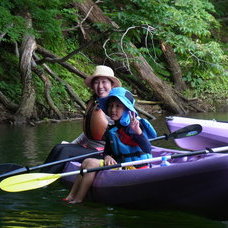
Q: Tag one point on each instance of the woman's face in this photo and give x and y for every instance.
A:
(115, 109)
(102, 86)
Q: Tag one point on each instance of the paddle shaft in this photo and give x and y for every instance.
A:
(150, 160)
(27, 169)
(187, 131)
(29, 181)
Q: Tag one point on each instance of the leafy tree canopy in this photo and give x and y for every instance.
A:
(187, 25)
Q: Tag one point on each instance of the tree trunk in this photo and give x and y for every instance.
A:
(174, 67)
(47, 87)
(69, 89)
(8, 104)
(161, 90)
(26, 106)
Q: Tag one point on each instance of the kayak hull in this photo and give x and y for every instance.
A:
(195, 183)
(214, 133)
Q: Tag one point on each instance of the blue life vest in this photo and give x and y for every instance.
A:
(129, 153)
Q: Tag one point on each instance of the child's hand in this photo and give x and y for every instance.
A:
(108, 160)
(134, 124)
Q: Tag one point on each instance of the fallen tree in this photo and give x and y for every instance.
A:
(34, 58)
(161, 90)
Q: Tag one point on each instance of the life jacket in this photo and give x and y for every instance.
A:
(129, 151)
(95, 122)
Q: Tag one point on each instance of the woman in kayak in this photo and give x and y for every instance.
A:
(126, 140)
(92, 138)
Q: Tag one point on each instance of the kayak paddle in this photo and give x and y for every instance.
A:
(7, 167)
(29, 181)
(190, 130)
(25, 169)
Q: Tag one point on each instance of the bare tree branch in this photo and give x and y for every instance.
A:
(47, 84)
(70, 90)
(51, 56)
(8, 104)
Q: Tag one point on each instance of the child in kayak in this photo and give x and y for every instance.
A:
(127, 140)
(91, 140)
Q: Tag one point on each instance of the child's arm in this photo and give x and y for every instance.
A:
(143, 142)
(134, 124)
(108, 159)
(138, 135)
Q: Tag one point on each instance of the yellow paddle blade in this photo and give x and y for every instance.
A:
(29, 181)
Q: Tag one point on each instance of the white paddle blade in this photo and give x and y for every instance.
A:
(29, 181)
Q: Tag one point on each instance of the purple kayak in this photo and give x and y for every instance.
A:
(214, 133)
(193, 183)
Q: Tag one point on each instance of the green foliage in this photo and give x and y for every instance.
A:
(58, 90)
(49, 19)
(80, 62)
(186, 25)
(10, 84)
(11, 90)
(220, 7)
(13, 26)
(215, 89)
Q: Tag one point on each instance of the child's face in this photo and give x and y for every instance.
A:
(115, 109)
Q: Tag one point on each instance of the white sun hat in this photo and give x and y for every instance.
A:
(103, 71)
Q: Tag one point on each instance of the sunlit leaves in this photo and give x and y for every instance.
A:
(49, 18)
(186, 25)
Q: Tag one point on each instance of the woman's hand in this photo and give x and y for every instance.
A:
(134, 123)
(108, 160)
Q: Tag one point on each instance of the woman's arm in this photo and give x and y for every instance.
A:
(81, 139)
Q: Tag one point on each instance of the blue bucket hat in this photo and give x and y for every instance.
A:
(125, 97)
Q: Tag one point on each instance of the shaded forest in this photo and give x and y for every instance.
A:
(170, 54)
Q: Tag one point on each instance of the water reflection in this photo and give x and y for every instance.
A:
(29, 146)
(32, 144)
(219, 116)
(43, 208)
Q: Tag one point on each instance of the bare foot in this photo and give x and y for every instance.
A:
(75, 201)
(68, 198)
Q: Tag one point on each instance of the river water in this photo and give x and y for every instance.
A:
(29, 146)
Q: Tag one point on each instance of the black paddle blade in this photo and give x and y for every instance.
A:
(190, 130)
(9, 169)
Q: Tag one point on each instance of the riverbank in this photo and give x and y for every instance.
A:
(149, 110)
